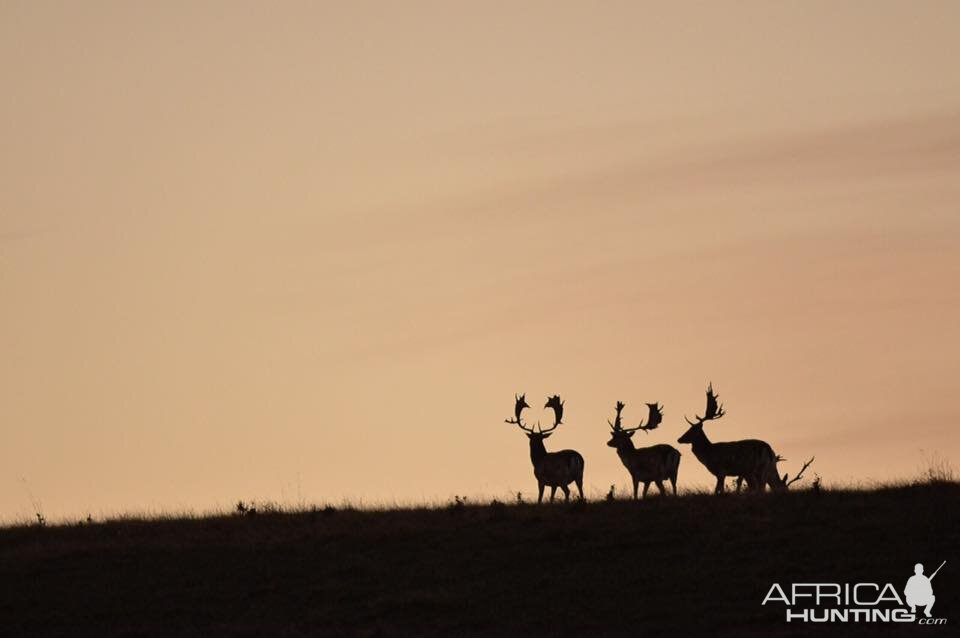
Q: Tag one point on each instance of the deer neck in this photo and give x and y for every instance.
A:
(625, 449)
(701, 445)
(537, 450)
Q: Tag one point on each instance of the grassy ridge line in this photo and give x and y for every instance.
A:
(622, 491)
(693, 565)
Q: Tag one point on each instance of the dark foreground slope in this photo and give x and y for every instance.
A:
(687, 566)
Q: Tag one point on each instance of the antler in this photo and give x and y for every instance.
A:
(788, 483)
(518, 408)
(653, 420)
(557, 405)
(616, 426)
(714, 408)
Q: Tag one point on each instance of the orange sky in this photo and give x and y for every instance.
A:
(311, 252)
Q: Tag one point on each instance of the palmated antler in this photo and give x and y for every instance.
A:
(518, 408)
(616, 425)
(655, 418)
(557, 405)
(714, 408)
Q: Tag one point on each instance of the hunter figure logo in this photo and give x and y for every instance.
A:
(858, 602)
(919, 591)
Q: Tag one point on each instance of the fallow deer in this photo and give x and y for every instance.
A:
(751, 459)
(655, 463)
(556, 469)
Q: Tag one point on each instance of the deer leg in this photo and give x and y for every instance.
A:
(663, 492)
(553, 492)
(739, 483)
(636, 488)
(566, 493)
(580, 487)
(540, 498)
(646, 486)
(719, 488)
(673, 483)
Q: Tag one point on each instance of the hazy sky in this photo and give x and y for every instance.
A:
(310, 251)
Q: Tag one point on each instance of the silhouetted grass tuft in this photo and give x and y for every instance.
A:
(937, 469)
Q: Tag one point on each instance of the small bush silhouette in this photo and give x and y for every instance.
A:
(458, 505)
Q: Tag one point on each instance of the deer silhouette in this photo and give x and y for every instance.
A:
(656, 463)
(556, 469)
(751, 460)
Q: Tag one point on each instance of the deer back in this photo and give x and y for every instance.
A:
(750, 457)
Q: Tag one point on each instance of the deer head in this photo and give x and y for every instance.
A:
(714, 411)
(620, 434)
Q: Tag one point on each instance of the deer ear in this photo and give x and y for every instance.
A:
(630, 434)
(547, 435)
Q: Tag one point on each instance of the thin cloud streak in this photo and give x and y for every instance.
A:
(834, 159)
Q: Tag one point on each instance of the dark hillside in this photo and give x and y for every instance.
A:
(697, 565)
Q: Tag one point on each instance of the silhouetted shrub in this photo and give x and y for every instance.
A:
(459, 504)
(244, 509)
